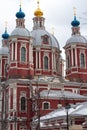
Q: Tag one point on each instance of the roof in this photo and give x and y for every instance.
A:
(61, 94)
(76, 39)
(20, 32)
(5, 35)
(4, 50)
(75, 22)
(20, 14)
(37, 35)
(79, 110)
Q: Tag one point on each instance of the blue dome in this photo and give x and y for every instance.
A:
(20, 14)
(75, 22)
(5, 35)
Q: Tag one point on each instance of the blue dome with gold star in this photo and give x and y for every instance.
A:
(5, 35)
(75, 22)
(20, 14)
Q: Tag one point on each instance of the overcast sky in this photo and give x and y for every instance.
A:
(58, 15)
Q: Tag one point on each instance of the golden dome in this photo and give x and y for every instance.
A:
(38, 12)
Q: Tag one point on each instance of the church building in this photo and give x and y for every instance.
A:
(31, 73)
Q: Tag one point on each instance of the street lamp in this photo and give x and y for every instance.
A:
(67, 107)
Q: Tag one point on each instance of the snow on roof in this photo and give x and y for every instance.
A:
(55, 114)
(61, 94)
(79, 110)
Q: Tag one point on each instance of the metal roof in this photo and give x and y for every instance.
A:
(79, 110)
(20, 32)
(76, 39)
(4, 50)
(37, 35)
(61, 94)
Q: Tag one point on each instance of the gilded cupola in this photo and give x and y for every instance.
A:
(38, 12)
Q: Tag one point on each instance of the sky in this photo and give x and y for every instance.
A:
(58, 15)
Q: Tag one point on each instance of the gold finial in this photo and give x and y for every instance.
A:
(38, 12)
(38, 3)
(74, 8)
(20, 3)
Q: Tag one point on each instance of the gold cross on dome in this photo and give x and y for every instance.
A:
(38, 3)
(20, 3)
(74, 8)
(6, 24)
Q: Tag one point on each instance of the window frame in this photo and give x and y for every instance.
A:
(23, 104)
(46, 107)
(46, 63)
(82, 60)
(45, 39)
(23, 54)
(68, 61)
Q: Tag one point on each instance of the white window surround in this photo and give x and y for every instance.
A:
(25, 54)
(23, 44)
(44, 103)
(46, 55)
(82, 52)
(22, 94)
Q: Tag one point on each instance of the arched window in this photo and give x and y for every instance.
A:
(68, 62)
(23, 54)
(46, 105)
(73, 56)
(45, 62)
(14, 51)
(45, 39)
(23, 104)
(82, 60)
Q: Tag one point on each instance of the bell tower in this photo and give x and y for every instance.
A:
(76, 54)
(21, 50)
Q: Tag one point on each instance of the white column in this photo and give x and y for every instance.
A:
(39, 59)
(75, 56)
(12, 52)
(30, 53)
(16, 51)
(52, 61)
(14, 98)
(72, 57)
(36, 59)
(9, 101)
